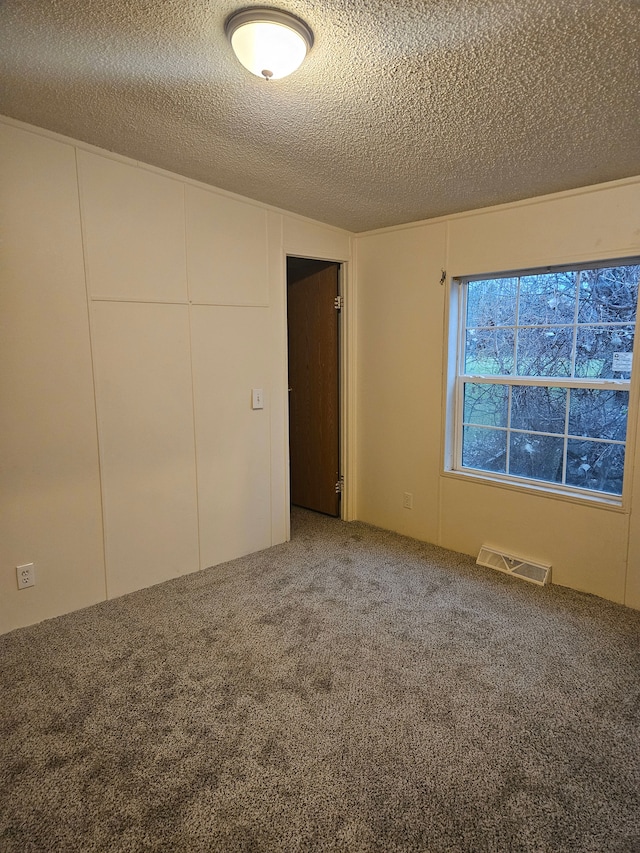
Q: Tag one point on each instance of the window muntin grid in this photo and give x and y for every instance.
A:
(543, 392)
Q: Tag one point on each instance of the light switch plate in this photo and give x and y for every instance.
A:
(257, 398)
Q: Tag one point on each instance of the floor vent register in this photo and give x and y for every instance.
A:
(527, 570)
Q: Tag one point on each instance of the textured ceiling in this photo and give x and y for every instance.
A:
(403, 110)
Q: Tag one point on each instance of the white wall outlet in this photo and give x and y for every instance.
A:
(26, 575)
(407, 501)
(257, 398)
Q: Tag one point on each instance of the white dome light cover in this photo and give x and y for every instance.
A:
(268, 42)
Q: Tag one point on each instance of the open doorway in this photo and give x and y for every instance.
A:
(313, 310)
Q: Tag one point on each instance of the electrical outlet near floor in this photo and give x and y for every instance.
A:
(407, 501)
(26, 575)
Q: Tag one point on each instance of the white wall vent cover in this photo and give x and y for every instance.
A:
(539, 573)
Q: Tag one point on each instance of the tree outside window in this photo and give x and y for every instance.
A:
(544, 376)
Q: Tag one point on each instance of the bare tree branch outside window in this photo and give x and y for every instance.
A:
(545, 375)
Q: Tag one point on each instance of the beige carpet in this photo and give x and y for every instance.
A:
(351, 690)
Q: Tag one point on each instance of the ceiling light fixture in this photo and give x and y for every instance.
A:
(268, 42)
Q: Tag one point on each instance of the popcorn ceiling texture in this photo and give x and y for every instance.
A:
(403, 110)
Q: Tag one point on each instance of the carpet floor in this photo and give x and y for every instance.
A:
(351, 690)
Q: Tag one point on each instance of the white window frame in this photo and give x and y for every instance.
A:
(456, 379)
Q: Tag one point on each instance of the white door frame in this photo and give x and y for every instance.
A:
(347, 353)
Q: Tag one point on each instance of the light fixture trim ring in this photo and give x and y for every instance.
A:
(268, 15)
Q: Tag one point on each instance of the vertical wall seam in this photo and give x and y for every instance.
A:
(631, 461)
(444, 425)
(631, 454)
(270, 422)
(193, 382)
(85, 263)
(270, 407)
(350, 353)
(627, 556)
(283, 378)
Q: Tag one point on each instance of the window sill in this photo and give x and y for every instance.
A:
(540, 491)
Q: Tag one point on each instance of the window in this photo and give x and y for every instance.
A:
(543, 377)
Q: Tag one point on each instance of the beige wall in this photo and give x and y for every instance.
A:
(400, 314)
(138, 310)
(402, 342)
(50, 510)
(632, 590)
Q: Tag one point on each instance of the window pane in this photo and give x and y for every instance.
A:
(524, 336)
(594, 465)
(544, 352)
(547, 299)
(485, 449)
(492, 302)
(489, 352)
(538, 409)
(598, 413)
(608, 295)
(538, 457)
(486, 405)
(603, 352)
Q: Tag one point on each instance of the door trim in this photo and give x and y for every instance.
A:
(346, 338)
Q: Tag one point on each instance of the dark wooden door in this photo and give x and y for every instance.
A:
(314, 420)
